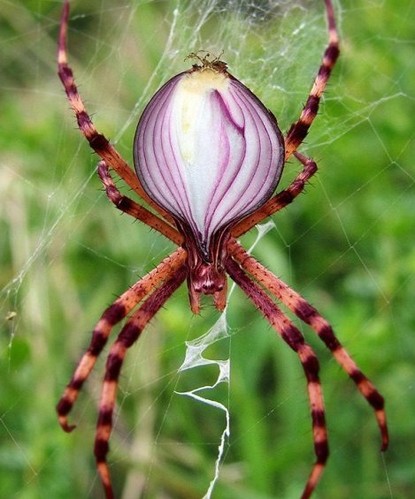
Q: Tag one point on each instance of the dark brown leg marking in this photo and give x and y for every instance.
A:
(127, 337)
(293, 337)
(112, 316)
(308, 314)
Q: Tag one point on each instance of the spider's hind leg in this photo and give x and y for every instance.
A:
(97, 141)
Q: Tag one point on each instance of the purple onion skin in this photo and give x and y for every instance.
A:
(208, 151)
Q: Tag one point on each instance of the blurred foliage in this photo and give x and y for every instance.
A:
(347, 245)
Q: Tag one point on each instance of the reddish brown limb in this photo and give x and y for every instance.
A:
(112, 316)
(308, 314)
(299, 129)
(298, 132)
(127, 337)
(292, 336)
(134, 209)
(98, 142)
(280, 200)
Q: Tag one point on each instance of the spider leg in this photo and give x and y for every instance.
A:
(98, 142)
(292, 336)
(134, 209)
(112, 316)
(281, 199)
(299, 129)
(127, 337)
(308, 314)
(298, 132)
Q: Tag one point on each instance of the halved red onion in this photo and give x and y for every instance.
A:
(207, 150)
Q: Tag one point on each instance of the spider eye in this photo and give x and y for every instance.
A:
(207, 150)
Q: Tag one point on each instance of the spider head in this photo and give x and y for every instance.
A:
(207, 279)
(206, 270)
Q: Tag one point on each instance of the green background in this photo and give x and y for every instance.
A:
(65, 253)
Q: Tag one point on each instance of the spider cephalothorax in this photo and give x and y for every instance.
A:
(208, 157)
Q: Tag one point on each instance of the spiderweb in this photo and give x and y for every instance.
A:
(347, 245)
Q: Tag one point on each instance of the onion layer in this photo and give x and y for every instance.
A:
(207, 150)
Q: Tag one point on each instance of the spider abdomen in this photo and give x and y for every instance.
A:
(207, 150)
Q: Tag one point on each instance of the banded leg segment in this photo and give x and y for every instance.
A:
(298, 132)
(98, 142)
(292, 336)
(127, 337)
(280, 200)
(127, 205)
(112, 316)
(299, 129)
(308, 314)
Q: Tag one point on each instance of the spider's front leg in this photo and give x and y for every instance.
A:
(298, 130)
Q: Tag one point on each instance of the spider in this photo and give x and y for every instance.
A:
(208, 157)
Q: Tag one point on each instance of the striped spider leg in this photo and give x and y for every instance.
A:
(97, 141)
(208, 157)
(249, 268)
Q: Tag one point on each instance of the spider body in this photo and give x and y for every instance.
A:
(207, 168)
(208, 157)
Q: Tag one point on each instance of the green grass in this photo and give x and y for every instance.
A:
(65, 253)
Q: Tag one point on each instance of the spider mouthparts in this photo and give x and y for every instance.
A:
(207, 279)
(206, 272)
